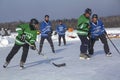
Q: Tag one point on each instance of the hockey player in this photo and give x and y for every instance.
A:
(26, 37)
(46, 33)
(61, 29)
(97, 31)
(82, 31)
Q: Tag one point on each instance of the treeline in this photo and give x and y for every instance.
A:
(10, 25)
(111, 21)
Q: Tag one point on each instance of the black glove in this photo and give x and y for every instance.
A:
(50, 33)
(23, 37)
(89, 35)
(55, 33)
(33, 47)
(105, 33)
(97, 38)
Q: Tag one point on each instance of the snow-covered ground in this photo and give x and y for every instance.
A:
(113, 30)
(99, 67)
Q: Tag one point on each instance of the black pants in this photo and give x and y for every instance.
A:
(84, 44)
(64, 40)
(103, 40)
(49, 39)
(15, 49)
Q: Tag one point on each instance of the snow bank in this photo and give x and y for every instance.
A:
(4, 42)
(7, 40)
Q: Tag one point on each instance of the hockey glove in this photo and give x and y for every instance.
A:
(50, 34)
(97, 38)
(89, 35)
(33, 47)
(105, 33)
(55, 33)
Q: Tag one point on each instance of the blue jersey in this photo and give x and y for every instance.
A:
(97, 29)
(45, 28)
(61, 29)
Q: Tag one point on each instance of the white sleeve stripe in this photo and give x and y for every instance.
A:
(82, 26)
(17, 29)
(32, 40)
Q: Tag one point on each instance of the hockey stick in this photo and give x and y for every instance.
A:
(57, 65)
(113, 44)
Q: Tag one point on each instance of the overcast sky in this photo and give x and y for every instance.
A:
(14, 10)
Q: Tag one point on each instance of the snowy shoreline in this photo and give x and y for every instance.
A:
(9, 40)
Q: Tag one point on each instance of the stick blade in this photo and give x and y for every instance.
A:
(59, 65)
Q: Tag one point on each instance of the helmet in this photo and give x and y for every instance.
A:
(46, 16)
(88, 10)
(94, 16)
(33, 22)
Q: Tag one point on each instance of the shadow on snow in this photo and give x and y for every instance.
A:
(32, 64)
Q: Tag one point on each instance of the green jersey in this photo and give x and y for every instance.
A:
(82, 27)
(25, 29)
